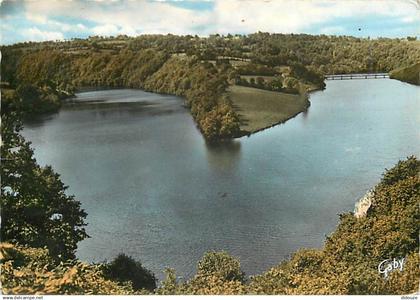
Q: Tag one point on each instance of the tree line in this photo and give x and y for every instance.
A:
(39, 76)
(37, 86)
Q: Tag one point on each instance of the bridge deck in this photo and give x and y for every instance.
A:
(356, 76)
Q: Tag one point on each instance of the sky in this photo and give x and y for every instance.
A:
(41, 20)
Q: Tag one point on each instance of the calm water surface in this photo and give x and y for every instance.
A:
(154, 190)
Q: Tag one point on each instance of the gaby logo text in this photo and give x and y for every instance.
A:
(388, 265)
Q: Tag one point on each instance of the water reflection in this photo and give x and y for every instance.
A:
(86, 105)
(223, 156)
(305, 113)
(39, 121)
(134, 107)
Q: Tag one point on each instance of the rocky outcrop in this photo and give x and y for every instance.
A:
(362, 206)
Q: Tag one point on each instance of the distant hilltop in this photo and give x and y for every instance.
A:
(264, 67)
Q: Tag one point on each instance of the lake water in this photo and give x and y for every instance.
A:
(154, 190)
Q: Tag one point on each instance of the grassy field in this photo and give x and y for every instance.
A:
(259, 109)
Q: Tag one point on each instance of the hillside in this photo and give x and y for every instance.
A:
(410, 74)
(201, 69)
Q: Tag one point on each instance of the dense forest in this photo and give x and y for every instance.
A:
(38, 76)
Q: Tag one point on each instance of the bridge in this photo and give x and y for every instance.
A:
(356, 76)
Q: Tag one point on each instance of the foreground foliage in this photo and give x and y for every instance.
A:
(35, 209)
(32, 271)
(347, 264)
(124, 268)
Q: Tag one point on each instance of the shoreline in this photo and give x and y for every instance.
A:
(280, 108)
(249, 133)
(303, 108)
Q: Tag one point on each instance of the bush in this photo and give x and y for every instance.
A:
(221, 265)
(404, 169)
(125, 268)
(31, 271)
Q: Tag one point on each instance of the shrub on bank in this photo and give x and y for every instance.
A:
(125, 268)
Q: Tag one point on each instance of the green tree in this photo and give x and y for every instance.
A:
(125, 268)
(35, 209)
(221, 265)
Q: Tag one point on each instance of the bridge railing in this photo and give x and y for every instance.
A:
(356, 76)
